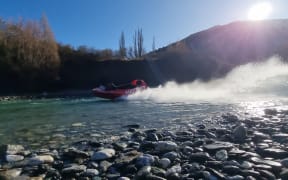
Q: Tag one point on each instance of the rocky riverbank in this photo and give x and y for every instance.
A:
(250, 148)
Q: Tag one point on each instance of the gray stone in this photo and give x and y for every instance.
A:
(171, 155)
(273, 152)
(200, 157)
(271, 112)
(262, 167)
(230, 117)
(284, 162)
(173, 176)
(210, 135)
(284, 174)
(103, 154)
(173, 170)
(250, 178)
(158, 171)
(267, 174)
(275, 165)
(216, 173)
(246, 165)
(128, 157)
(104, 165)
(152, 137)
(74, 169)
(144, 171)
(252, 173)
(280, 137)
(91, 172)
(231, 170)
(14, 158)
(259, 136)
(10, 174)
(164, 163)
(231, 163)
(166, 146)
(11, 149)
(41, 159)
(221, 155)
(240, 133)
(236, 177)
(75, 153)
(154, 177)
(187, 150)
(218, 145)
(123, 178)
(145, 160)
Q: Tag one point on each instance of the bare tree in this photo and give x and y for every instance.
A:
(153, 44)
(130, 53)
(122, 48)
(138, 44)
(135, 51)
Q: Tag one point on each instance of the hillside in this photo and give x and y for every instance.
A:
(218, 49)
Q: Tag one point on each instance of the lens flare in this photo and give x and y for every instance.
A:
(260, 11)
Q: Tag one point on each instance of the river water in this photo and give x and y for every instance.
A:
(45, 123)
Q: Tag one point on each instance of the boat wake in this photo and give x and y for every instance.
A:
(265, 79)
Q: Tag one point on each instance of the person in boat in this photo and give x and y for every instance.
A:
(111, 86)
(133, 84)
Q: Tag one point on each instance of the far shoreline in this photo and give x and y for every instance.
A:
(43, 95)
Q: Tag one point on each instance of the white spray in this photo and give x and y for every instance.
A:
(253, 79)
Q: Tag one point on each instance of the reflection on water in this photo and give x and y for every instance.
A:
(59, 121)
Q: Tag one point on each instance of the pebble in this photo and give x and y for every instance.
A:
(123, 178)
(284, 162)
(103, 154)
(145, 160)
(144, 171)
(284, 174)
(164, 163)
(252, 150)
(74, 169)
(166, 146)
(221, 155)
(240, 133)
(171, 156)
(174, 170)
(40, 159)
(91, 172)
(218, 145)
(200, 157)
(11, 149)
(14, 158)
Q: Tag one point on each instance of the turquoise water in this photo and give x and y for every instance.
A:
(58, 122)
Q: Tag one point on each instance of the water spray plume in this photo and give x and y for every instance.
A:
(247, 80)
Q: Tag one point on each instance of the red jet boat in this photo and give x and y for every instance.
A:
(114, 92)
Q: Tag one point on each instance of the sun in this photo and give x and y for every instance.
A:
(260, 11)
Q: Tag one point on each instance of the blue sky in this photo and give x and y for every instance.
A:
(98, 23)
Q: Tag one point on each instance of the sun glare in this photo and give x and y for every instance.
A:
(260, 11)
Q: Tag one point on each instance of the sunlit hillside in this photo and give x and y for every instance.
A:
(232, 44)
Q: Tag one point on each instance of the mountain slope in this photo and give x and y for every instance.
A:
(215, 51)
